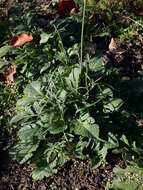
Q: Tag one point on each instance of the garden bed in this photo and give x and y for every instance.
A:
(90, 90)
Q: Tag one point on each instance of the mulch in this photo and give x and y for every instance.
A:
(131, 60)
(73, 175)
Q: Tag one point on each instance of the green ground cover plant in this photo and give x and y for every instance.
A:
(69, 105)
(128, 179)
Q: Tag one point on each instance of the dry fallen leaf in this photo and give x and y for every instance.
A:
(113, 45)
(65, 6)
(8, 74)
(20, 39)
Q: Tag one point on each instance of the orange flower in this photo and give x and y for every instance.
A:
(20, 39)
(65, 6)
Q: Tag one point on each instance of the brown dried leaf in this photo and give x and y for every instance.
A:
(8, 74)
(20, 39)
(119, 51)
(113, 45)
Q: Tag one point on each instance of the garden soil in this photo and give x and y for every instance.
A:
(74, 175)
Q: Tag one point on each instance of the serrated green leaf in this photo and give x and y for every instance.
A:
(23, 151)
(123, 186)
(96, 64)
(129, 178)
(33, 89)
(86, 126)
(21, 116)
(73, 79)
(62, 96)
(45, 37)
(102, 34)
(57, 127)
(112, 141)
(41, 172)
(86, 129)
(37, 107)
(26, 132)
(125, 140)
(21, 27)
(44, 169)
(78, 152)
(99, 157)
(5, 50)
(45, 67)
(61, 56)
(107, 92)
(87, 118)
(113, 105)
(132, 169)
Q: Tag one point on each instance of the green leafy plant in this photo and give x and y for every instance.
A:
(127, 179)
(70, 106)
(67, 117)
(57, 123)
(8, 98)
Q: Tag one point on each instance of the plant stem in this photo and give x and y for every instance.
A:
(62, 46)
(137, 23)
(82, 33)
